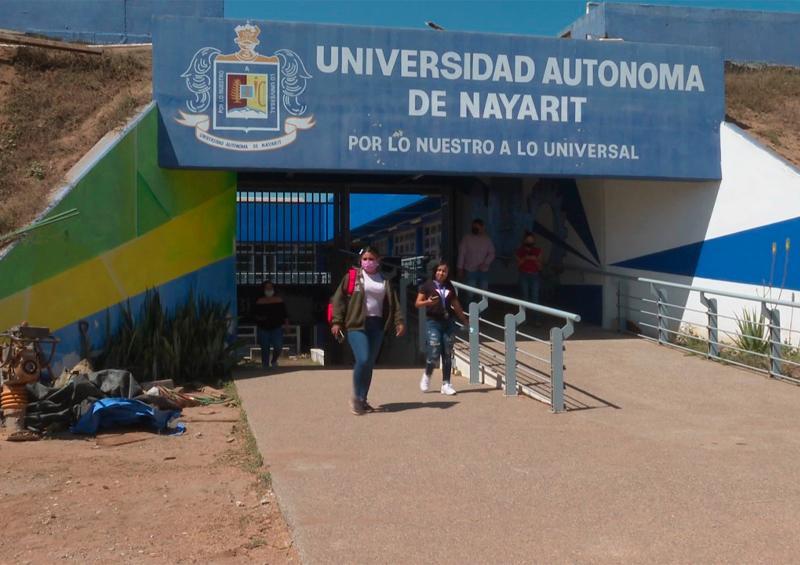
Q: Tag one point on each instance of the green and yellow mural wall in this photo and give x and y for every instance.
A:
(139, 227)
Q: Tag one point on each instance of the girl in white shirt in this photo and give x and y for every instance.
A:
(372, 309)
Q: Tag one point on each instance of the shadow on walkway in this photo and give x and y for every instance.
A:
(403, 406)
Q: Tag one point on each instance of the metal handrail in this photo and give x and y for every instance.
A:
(768, 317)
(521, 303)
(718, 292)
(558, 335)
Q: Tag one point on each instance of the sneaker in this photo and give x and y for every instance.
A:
(357, 406)
(369, 409)
(448, 389)
(425, 382)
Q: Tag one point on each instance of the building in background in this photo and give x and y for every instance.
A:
(616, 153)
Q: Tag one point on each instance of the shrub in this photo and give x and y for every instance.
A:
(752, 336)
(689, 339)
(187, 345)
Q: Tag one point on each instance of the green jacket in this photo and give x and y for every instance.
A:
(351, 311)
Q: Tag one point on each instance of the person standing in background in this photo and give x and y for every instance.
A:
(271, 318)
(475, 255)
(529, 264)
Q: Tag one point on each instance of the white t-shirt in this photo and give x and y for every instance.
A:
(375, 292)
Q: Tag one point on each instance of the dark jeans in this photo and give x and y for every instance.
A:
(440, 340)
(477, 279)
(267, 339)
(366, 344)
(529, 287)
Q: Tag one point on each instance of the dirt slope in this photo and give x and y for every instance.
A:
(766, 102)
(54, 106)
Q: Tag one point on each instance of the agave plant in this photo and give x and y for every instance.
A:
(192, 343)
(752, 336)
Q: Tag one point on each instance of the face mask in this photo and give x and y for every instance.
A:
(529, 243)
(269, 293)
(476, 231)
(369, 265)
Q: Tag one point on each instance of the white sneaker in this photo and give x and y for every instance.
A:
(425, 382)
(448, 389)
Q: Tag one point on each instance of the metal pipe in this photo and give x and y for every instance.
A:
(516, 302)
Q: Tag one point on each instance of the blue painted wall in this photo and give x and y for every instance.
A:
(742, 35)
(98, 21)
(744, 257)
(215, 282)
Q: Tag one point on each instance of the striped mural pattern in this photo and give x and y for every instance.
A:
(139, 227)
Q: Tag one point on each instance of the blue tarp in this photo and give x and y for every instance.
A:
(109, 413)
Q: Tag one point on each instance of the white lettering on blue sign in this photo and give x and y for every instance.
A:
(622, 74)
(398, 143)
(521, 107)
(426, 64)
(499, 68)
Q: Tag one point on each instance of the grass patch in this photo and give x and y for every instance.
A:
(752, 339)
(763, 100)
(119, 114)
(265, 480)
(250, 458)
(232, 393)
(59, 104)
(760, 89)
(745, 358)
(689, 339)
(773, 137)
(256, 541)
(253, 461)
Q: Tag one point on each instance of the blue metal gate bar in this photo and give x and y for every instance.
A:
(282, 236)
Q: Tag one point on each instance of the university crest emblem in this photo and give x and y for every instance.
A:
(247, 94)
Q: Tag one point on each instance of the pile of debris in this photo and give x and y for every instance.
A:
(82, 400)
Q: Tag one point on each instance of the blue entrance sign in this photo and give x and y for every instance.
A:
(285, 96)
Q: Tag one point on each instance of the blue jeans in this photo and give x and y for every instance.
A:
(529, 287)
(478, 279)
(267, 339)
(366, 344)
(440, 341)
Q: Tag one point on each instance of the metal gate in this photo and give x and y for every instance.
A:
(282, 236)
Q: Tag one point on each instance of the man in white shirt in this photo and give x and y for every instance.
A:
(475, 255)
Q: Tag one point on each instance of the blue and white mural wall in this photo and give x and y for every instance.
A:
(554, 210)
(741, 234)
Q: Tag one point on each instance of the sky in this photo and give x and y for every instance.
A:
(367, 207)
(532, 17)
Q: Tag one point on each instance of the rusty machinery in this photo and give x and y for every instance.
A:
(24, 352)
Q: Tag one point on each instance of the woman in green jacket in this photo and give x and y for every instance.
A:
(372, 310)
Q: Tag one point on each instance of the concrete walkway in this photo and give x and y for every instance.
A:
(671, 459)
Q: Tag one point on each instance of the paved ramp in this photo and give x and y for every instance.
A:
(672, 459)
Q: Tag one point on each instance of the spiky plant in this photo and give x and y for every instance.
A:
(191, 343)
(752, 336)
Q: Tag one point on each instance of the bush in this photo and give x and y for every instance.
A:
(187, 345)
(689, 339)
(752, 336)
